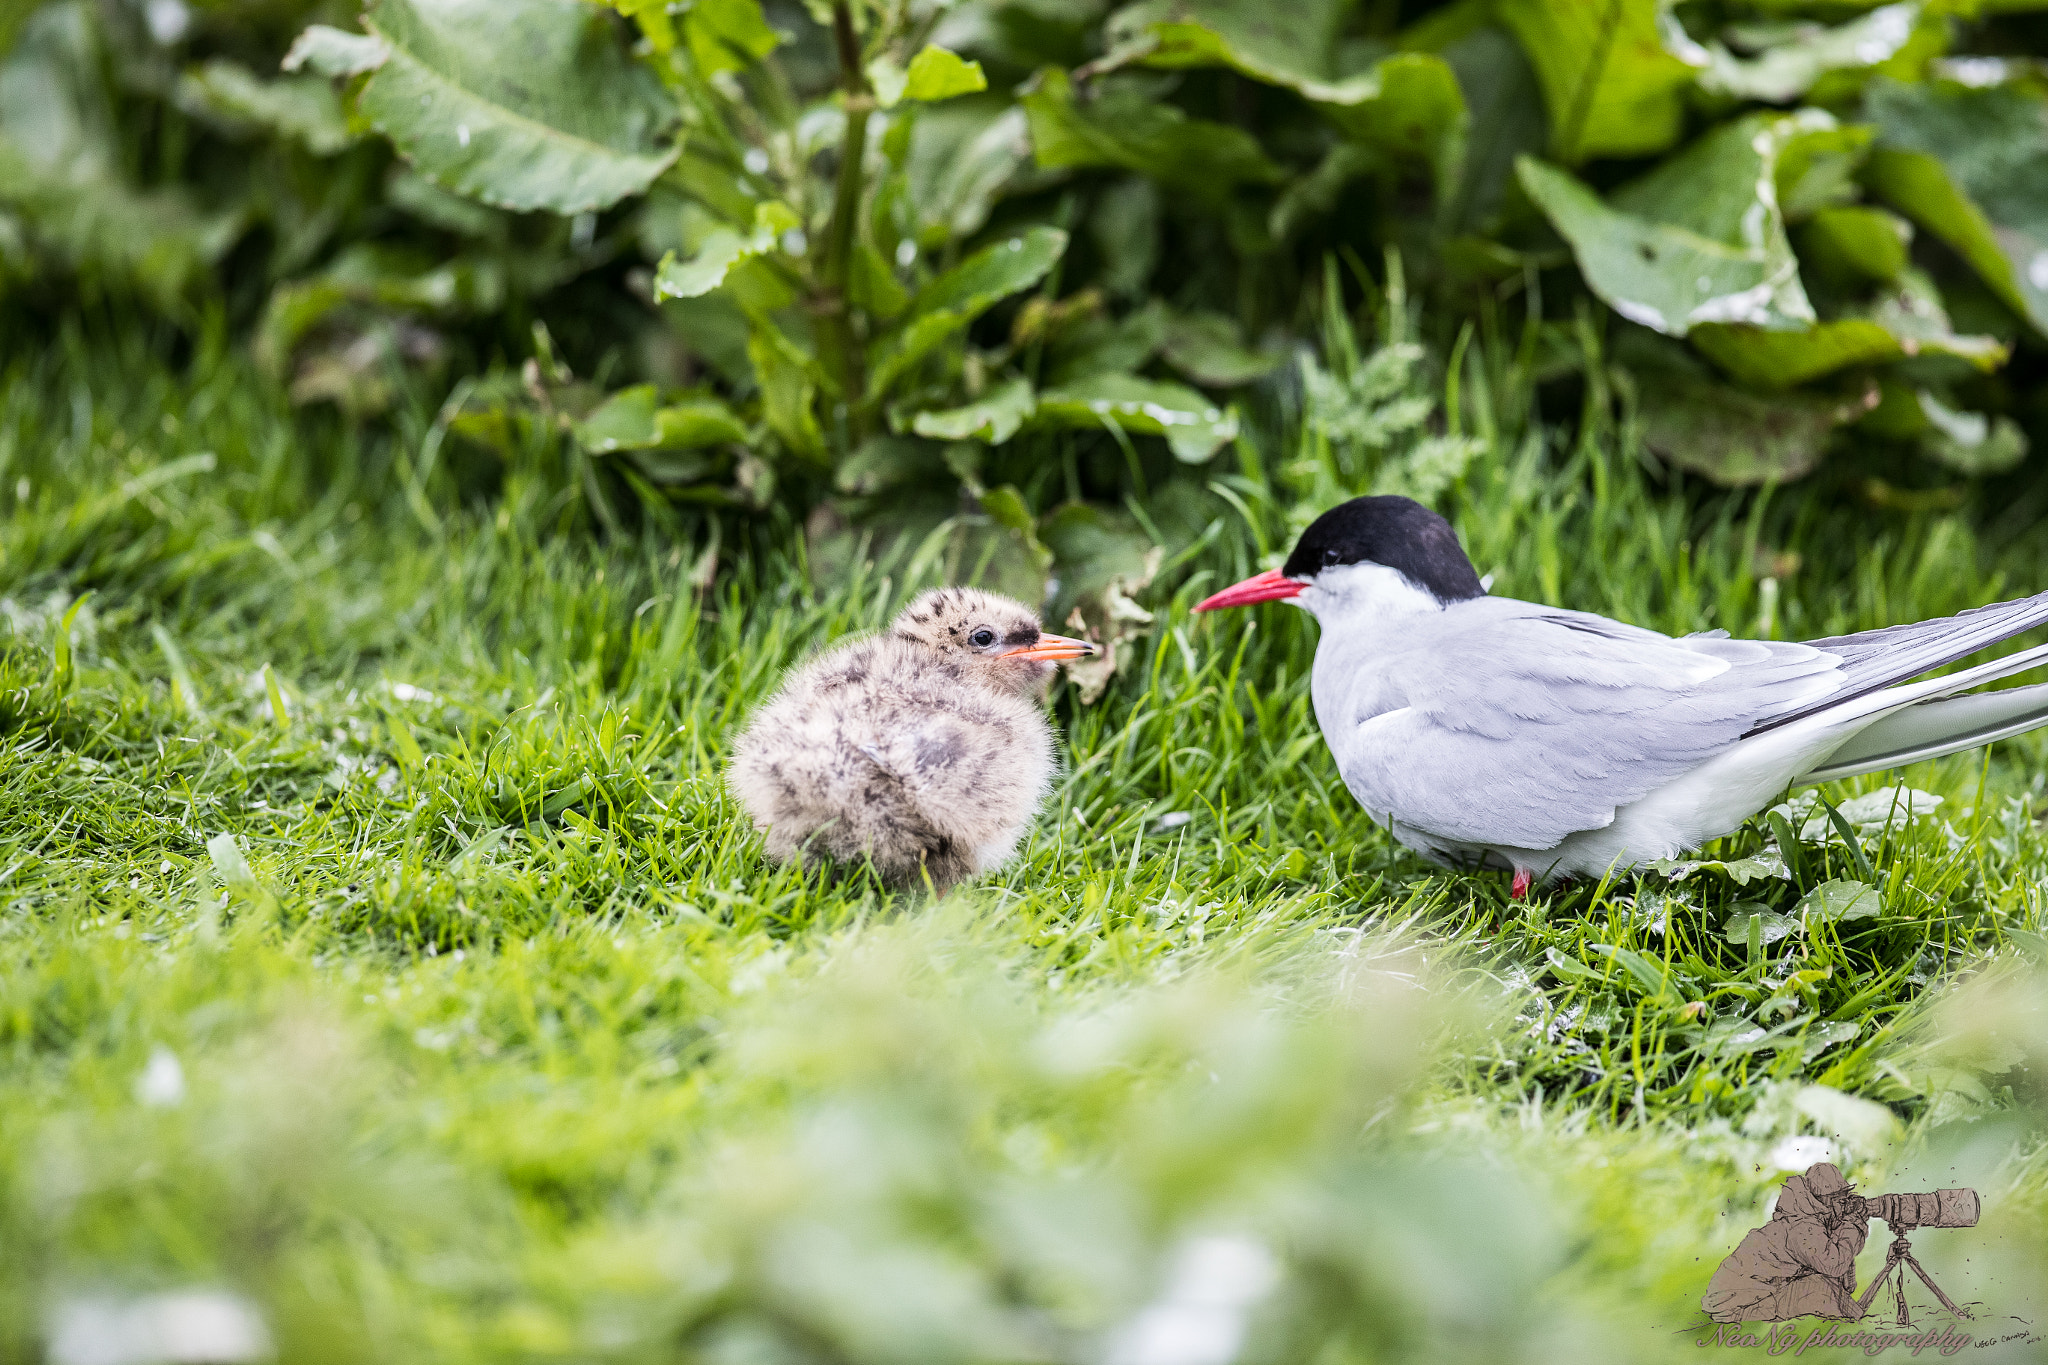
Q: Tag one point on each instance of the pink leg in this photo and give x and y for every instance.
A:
(1524, 878)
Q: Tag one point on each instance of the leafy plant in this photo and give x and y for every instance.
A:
(908, 249)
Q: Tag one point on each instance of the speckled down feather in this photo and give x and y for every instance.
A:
(912, 748)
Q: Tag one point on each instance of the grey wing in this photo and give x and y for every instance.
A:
(1876, 659)
(1522, 728)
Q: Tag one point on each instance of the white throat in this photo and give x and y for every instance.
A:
(1365, 596)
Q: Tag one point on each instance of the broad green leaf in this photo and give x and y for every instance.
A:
(1123, 127)
(1904, 321)
(1569, 968)
(1782, 359)
(993, 418)
(667, 445)
(653, 18)
(1793, 56)
(1821, 1037)
(1854, 243)
(944, 307)
(673, 468)
(1209, 349)
(1194, 428)
(961, 156)
(523, 104)
(1611, 86)
(1838, 900)
(1971, 167)
(1739, 1037)
(1102, 345)
(892, 359)
(1911, 310)
(884, 463)
(873, 286)
(721, 253)
(1772, 925)
(1722, 188)
(725, 35)
(788, 394)
(887, 78)
(624, 421)
(1094, 546)
(698, 422)
(1934, 32)
(1817, 167)
(715, 328)
(1294, 46)
(705, 271)
(393, 279)
(1507, 121)
(1125, 229)
(1872, 812)
(1697, 240)
(1730, 435)
(423, 199)
(1741, 871)
(303, 108)
(1737, 438)
(1408, 106)
(335, 52)
(1007, 508)
(993, 273)
(1973, 443)
(936, 74)
(712, 180)
(634, 419)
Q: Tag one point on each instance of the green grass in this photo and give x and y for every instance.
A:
(396, 822)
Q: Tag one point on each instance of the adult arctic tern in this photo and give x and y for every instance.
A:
(1483, 730)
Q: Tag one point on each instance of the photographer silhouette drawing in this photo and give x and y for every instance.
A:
(1802, 1262)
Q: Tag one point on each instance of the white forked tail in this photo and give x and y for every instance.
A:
(1927, 720)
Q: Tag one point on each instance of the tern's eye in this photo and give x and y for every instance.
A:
(982, 639)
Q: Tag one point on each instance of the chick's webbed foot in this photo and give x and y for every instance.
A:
(1524, 879)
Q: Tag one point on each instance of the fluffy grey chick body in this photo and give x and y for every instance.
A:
(925, 749)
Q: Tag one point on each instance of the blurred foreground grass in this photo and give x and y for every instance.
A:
(384, 971)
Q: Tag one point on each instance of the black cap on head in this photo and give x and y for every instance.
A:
(1397, 532)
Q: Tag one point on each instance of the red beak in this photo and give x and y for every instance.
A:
(1270, 586)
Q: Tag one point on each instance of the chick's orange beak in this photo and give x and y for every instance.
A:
(1051, 648)
(1270, 586)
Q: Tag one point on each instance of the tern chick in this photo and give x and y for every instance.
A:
(924, 749)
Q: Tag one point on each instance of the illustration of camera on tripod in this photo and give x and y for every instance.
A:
(1903, 1214)
(1803, 1261)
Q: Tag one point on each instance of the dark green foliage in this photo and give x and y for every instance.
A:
(764, 215)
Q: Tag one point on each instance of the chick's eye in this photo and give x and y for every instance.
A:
(982, 639)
